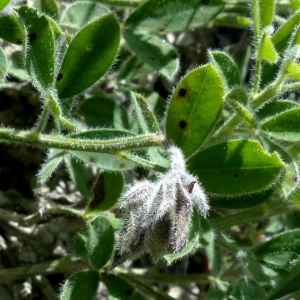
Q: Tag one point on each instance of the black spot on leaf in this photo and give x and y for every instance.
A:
(59, 77)
(19, 42)
(122, 166)
(92, 160)
(32, 37)
(182, 124)
(205, 1)
(295, 179)
(182, 92)
(236, 175)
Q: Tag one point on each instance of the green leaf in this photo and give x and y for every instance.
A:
(80, 244)
(239, 94)
(196, 103)
(285, 242)
(135, 68)
(120, 289)
(39, 48)
(282, 35)
(227, 68)
(80, 13)
(3, 64)
(11, 30)
(246, 201)
(111, 162)
(3, 4)
(287, 284)
(54, 158)
(104, 112)
(274, 108)
(173, 15)
(16, 67)
(100, 241)
(158, 54)
(238, 167)
(247, 289)
(145, 116)
(48, 7)
(89, 56)
(266, 10)
(81, 285)
(107, 190)
(232, 20)
(288, 180)
(267, 50)
(295, 4)
(260, 272)
(79, 176)
(284, 126)
(293, 70)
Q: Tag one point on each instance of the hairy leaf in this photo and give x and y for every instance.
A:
(194, 108)
(89, 56)
(236, 168)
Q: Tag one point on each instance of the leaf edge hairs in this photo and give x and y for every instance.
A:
(159, 213)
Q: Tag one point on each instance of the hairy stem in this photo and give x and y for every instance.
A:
(251, 215)
(87, 145)
(63, 265)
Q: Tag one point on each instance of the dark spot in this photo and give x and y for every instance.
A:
(19, 42)
(182, 92)
(59, 77)
(205, 1)
(161, 30)
(152, 57)
(182, 124)
(174, 56)
(295, 179)
(92, 160)
(128, 292)
(236, 175)
(191, 186)
(122, 166)
(32, 37)
(98, 192)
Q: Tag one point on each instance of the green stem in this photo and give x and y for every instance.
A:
(252, 215)
(28, 221)
(290, 87)
(146, 288)
(64, 265)
(43, 118)
(87, 145)
(257, 77)
(231, 123)
(122, 2)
